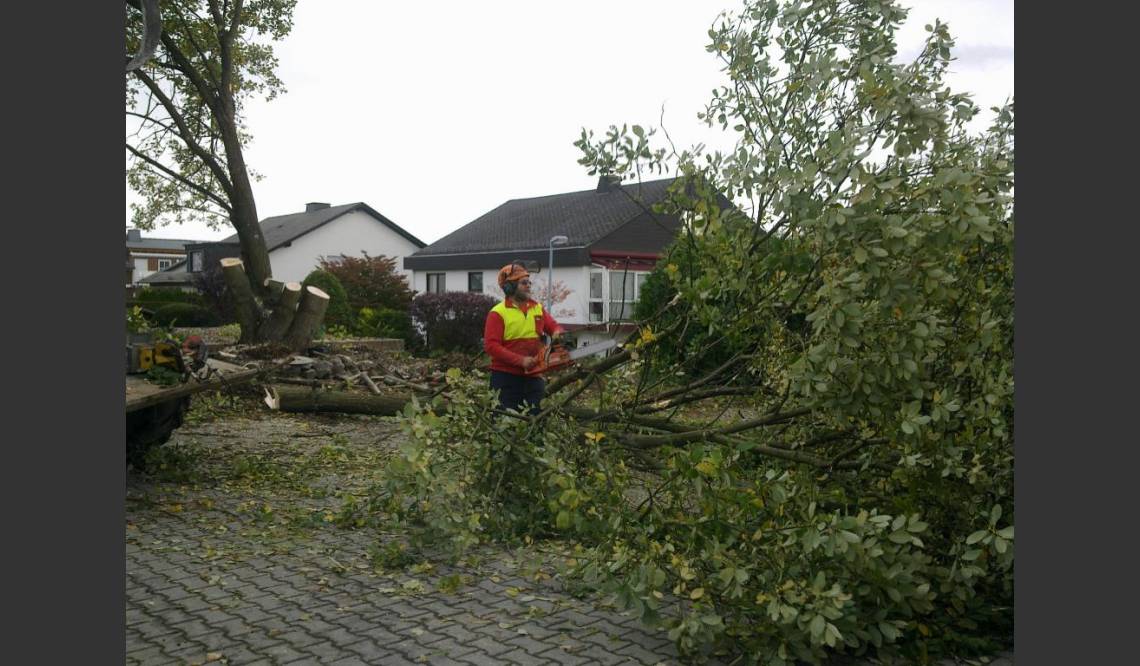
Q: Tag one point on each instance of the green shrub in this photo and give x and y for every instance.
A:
(384, 323)
(339, 312)
(184, 314)
(153, 297)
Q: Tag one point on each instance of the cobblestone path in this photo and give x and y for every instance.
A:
(237, 553)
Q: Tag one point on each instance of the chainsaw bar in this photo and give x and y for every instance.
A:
(590, 350)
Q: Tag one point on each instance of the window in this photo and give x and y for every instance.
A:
(475, 282)
(625, 291)
(622, 295)
(196, 261)
(436, 283)
(164, 264)
(597, 306)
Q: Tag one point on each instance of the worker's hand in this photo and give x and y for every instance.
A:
(528, 362)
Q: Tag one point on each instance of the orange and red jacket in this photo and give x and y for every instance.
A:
(511, 333)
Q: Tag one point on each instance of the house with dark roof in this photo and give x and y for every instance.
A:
(150, 255)
(297, 241)
(612, 243)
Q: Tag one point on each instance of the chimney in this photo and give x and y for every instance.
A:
(315, 205)
(608, 183)
(134, 236)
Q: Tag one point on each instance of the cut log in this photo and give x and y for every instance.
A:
(248, 311)
(310, 314)
(277, 323)
(297, 399)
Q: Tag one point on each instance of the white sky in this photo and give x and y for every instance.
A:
(435, 113)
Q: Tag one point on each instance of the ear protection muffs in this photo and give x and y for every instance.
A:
(511, 286)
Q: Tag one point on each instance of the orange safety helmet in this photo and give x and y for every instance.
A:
(512, 272)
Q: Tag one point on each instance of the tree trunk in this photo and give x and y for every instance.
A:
(248, 311)
(243, 213)
(309, 315)
(277, 323)
(300, 399)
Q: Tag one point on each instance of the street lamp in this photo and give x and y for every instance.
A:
(554, 240)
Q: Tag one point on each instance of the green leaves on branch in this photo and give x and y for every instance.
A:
(867, 267)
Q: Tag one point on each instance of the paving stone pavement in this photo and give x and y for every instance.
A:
(238, 563)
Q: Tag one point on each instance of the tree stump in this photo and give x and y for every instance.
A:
(272, 292)
(310, 314)
(277, 323)
(248, 311)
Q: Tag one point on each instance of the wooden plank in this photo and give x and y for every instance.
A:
(141, 393)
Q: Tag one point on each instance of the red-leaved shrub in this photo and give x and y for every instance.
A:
(370, 282)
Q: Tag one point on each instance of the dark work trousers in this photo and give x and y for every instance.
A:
(514, 390)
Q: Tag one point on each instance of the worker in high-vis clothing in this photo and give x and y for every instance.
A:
(511, 337)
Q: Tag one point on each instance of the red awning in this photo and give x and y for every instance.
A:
(621, 261)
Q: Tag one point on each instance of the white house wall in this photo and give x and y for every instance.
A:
(141, 261)
(573, 310)
(351, 234)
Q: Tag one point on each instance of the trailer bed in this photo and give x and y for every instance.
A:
(142, 393)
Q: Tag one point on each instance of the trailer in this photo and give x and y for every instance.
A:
(154, 412)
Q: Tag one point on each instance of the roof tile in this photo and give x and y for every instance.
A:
(528, 224)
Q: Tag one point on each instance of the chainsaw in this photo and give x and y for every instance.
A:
(143, 355)
(554, 356)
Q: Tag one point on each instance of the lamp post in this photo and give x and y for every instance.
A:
(554, 240)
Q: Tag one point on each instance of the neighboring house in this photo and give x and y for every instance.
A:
(613, 244)
(297, 241)
(150, 255)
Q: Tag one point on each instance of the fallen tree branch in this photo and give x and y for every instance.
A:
(299, 381)
(736, 358)
(681, 429)
(393, 380)
(661, 405)
(371, 384)
(855, 447)
(649, 441)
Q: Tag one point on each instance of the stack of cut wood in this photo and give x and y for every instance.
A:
(328, 383)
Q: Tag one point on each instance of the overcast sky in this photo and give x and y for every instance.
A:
(435, 113)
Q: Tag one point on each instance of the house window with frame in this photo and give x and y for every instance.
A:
(164, 264)
(597, 305)
(625, 292)
(196, 261)
(436, 283)
(623, 295)
(475, 282)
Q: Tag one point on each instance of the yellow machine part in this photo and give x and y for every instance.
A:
(143, 357)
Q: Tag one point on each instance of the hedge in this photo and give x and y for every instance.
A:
(184, 314)
(452, 320)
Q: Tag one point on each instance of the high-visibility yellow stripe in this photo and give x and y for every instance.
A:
(516, 324)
